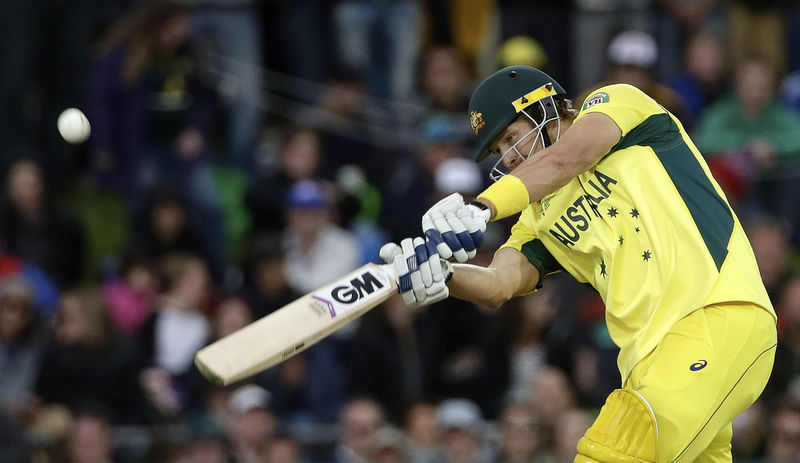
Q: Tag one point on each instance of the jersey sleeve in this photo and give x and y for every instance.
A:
(625, 104)
(524, 239)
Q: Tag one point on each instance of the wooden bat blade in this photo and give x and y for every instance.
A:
(295, 326)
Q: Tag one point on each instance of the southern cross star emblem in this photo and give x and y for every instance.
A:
(612, 212)
(603, 268)
(634, 213)
(646, 255)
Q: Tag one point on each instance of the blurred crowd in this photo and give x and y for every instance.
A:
(245, 152)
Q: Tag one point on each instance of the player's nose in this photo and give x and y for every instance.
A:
(511, 159)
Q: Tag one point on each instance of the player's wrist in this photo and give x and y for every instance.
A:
(480, 209)
(447, 269)
(509, 195)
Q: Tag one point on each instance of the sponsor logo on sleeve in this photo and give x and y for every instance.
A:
(597, 98)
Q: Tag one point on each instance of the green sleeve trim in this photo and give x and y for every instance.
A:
(540, 257)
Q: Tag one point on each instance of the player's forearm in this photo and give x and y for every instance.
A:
(485, 285)
(480, 285)
(578, 150)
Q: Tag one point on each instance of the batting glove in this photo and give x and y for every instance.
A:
(455, 228)
(421, 275)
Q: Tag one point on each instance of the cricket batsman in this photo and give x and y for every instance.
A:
(615, 193)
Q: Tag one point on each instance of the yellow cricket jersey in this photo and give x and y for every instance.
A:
(648, 227)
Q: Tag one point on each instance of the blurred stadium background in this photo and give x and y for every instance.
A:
(244, 152)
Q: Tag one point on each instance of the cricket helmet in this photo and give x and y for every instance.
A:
(498, 100)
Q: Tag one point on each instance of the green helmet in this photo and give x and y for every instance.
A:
(500, 97)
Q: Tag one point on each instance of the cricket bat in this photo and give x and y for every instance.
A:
(295, 326)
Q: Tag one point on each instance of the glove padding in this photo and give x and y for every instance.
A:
(420, 273)
(455, 228)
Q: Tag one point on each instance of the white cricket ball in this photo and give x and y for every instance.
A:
(73, 125)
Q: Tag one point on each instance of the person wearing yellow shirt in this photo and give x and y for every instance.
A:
(615, 193)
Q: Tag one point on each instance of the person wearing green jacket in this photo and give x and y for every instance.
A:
(753, 136)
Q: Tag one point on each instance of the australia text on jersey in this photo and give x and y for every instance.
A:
(575, 222)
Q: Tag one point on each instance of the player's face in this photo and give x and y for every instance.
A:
(516, 143)
(523, 137)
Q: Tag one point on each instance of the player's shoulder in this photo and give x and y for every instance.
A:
(613, 93)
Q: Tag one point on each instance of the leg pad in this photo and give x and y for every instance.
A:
(624, 432)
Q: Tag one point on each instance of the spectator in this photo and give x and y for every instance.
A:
(755, 133)
(229, 31)
(790, 89)
(166, 227)
(389, 445)
(45, 291)
(318, 250)
(783, 437)
(284, 449)
(784, 384)
(593, 25)
(252, 424)
(516, 349)
(758, 27)
(525, 50)
(365, 26)
(384, 359)
(175, 332)
(308, 388)
(772, 247)
(411, 188)
(444, 80)
(542, 20)
(21, 342)
(38, 231)
(749, 431)
(460, 175)
(265, 283)
(461, 429)
(359, 208)
(232, 314)
(90, 440)
(632, 56)
(130, 298)
(353, 129)
(451, 343)
(522, 438)
(298, 157)
(150, 115)
(206, 442)
(84, 362)
(15, 445)
(702, 79)
(551, 394)
(569, 427)
(677, 21)
(420, 428)
(359, 420)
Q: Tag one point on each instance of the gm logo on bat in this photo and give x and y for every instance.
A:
(358, 288)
